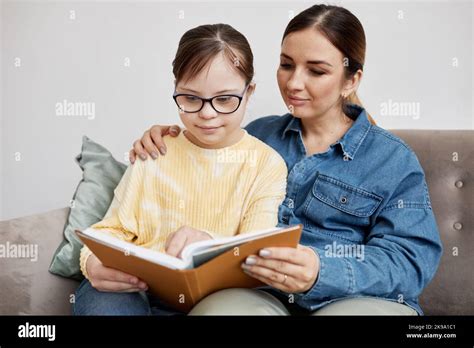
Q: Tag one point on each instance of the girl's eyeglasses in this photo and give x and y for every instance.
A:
(223, 104)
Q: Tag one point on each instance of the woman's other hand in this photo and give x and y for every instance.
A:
(292, 270)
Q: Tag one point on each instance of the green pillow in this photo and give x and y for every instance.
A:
(101, 173)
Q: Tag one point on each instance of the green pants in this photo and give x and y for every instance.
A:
(258, 302)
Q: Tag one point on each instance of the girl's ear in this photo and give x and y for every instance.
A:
(251, 89)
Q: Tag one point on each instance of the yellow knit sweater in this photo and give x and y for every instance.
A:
(227, 191)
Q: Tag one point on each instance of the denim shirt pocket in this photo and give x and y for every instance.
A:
(338, 206)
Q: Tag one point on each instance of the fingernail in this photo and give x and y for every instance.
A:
(133, 280)
(143, 157)
(250, 260)
(162, 150)
(142, 285)
(174, 130)
(154, 155)
(264, 253)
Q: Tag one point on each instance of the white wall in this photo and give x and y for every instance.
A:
(409, 60)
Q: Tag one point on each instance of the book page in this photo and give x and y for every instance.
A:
(192, 256)
(200, 252)
(136, 250)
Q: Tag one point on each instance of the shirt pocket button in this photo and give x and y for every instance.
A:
(343, 200)
(291, 204)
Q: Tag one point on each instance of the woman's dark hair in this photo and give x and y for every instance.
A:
(198, 46)
(343, 30)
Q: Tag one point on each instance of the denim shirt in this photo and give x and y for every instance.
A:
(365, 209)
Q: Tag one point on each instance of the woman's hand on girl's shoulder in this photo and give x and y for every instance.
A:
(151, 143)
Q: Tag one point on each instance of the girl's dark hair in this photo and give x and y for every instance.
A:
(343, 30)
(198, 46)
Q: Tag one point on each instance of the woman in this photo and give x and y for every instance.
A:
(195, 193)
(359, 191)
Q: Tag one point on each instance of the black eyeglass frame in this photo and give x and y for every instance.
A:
(209, 100)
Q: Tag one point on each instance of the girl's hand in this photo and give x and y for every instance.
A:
(152, 143)
(111, 280)
(300, 265)
(183, 236)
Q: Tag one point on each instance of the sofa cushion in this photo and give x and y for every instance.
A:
(93, 196)
(26, 286)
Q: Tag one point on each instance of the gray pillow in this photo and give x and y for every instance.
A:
(93, 196)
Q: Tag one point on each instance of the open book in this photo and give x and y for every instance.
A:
(204, 267)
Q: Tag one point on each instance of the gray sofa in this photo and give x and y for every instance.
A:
(446, 156)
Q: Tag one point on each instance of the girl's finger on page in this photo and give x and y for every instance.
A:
(176, 244)
(168, 240)
(192, 239)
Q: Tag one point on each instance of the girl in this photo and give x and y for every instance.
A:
(354, 186)
(217, 181)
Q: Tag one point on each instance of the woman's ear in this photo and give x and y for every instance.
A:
(351, 85)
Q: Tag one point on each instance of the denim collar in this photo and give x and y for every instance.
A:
(352, 139)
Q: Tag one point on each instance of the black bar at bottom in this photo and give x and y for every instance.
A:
(436, 330)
